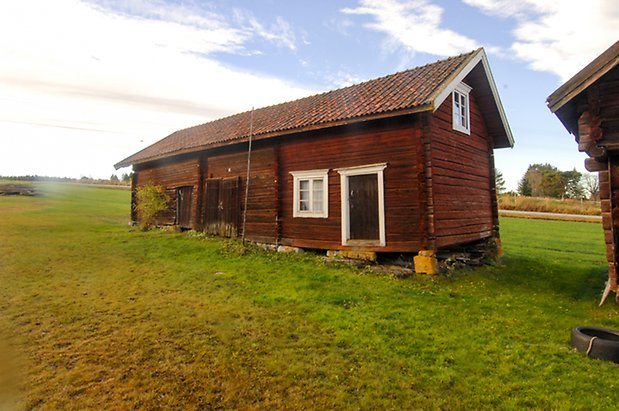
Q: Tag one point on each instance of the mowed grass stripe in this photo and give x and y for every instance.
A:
(107, 316)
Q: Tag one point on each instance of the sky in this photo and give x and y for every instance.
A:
(84, 84)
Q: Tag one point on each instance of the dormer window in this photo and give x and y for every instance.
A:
(461, 115)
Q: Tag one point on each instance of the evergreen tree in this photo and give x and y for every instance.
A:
(499, 182)
(524, 188)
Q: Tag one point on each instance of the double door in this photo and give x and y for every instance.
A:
(221, 206)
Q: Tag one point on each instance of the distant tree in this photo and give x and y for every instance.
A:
(114, 178)
(499, 181)
(572, 181)
(127, 177)
(591, 184)
(524, 187)
(545, 180)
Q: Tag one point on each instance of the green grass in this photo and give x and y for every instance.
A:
(99, 315)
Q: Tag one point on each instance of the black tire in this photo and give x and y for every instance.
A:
(600, 343)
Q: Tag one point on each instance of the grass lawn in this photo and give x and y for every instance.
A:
(95, 314)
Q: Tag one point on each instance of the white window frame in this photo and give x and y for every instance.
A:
(464, 91)
(311, 175)
(356, 171)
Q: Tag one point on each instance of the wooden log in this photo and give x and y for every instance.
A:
(594, 164)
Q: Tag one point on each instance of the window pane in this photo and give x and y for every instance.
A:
(317, 189)
(463, 111)
(317, 184)
(317, 196)
(460, 109)
(457, 111)
(304, 195)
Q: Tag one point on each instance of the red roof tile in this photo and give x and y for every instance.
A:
(406, 90)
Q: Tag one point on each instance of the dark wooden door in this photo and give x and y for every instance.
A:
(363, 207)
(183, 207)
(222, 210)
(211, 206)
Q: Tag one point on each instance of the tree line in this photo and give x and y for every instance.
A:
(114, 179)
(545, 180)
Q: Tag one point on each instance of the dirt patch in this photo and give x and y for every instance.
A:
(17, 190)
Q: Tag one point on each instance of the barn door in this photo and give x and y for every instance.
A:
(221, 211)
(363, 207)
(183, 207)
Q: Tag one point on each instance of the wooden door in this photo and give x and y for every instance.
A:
(183, 207)
(229, 207)
(211, 206)
(363, 207)
(222, 209)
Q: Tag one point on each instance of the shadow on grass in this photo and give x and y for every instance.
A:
(523, 274)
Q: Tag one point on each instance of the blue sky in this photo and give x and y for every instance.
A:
(84, 84)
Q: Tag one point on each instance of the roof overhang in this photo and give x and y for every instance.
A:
(561, 101)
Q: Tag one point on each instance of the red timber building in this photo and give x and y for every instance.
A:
(588, 106)
(401, 163)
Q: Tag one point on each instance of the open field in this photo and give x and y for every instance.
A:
(549, 205)
(95, 314)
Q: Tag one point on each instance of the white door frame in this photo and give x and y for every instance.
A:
(356, 171)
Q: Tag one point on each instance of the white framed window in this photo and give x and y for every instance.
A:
(461, 109)
(310, 193)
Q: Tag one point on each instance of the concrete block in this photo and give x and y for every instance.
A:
(354, 255)
(288, 249)
(426, 262)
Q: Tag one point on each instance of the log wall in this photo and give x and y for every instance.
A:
(261, 224)
(598, 110)
(459, 178)
(394, 142)
(172, 174)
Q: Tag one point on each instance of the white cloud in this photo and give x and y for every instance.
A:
(414, 25)
(279, 32)
(84, 85)
(342, 78)
(556, 36)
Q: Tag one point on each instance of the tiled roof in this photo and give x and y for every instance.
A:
(395, 93)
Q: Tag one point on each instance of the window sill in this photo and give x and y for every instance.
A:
(364, 243)
(308, 215)
(462, 130)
